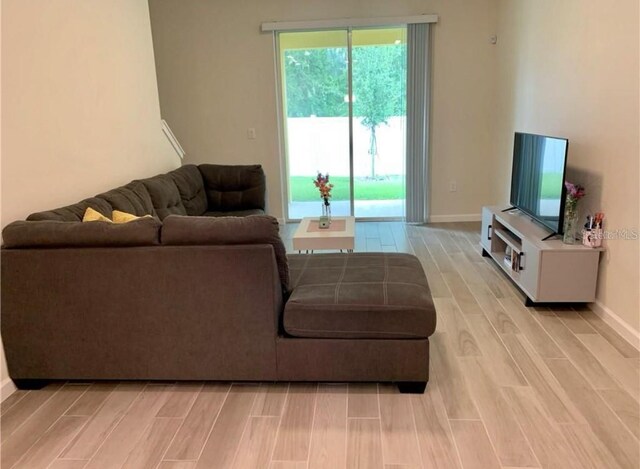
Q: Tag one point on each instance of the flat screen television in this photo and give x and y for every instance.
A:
(537, 178)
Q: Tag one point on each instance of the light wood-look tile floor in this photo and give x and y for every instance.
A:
(510, 387)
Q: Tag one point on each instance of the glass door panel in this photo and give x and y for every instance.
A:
(315, 94)
(379, 77)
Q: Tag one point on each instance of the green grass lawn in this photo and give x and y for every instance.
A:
(301, 188)
(389, 188)
(551, 185)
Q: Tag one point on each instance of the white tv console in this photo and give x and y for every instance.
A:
(546, 271)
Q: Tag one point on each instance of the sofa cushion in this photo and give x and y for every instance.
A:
(123, 217)
(164, 195)
(235, 213)
(359, 296)
(93, 215)
(188, 180)
(73, 212)
(234, 187)
(132, 198)
(178, 230)
(50, 234)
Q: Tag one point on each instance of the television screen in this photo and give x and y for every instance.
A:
(537, 178)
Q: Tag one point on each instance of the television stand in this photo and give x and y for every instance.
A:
(546, 270)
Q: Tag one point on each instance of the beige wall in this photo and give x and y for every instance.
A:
(80, 111)
(80, 101)
(570, 68)
(3, 363)
(216, 77)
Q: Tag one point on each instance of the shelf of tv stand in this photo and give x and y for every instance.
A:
(508, 238)
(549, 270)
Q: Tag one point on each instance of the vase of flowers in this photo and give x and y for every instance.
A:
(324, 187)
(574, 193)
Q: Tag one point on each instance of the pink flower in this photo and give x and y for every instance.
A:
(322, 183)
(574, 191)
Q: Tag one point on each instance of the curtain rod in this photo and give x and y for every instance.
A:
(346, 23)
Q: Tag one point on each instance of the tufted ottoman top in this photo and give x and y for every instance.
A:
(359, 296)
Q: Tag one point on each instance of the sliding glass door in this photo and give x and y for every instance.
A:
(314, 69)
(379, 77)
(344, 100)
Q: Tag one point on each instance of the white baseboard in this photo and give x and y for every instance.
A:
(617, 324)
(455, 218)
(7, 388)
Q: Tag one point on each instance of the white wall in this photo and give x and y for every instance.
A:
(80, 101)
(570, 68)
(80, 110)
(216, 77)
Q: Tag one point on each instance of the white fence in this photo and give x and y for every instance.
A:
(322, 144)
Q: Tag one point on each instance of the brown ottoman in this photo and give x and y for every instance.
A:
(372, 307)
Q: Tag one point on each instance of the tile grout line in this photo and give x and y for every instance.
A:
(380, 424)
(244, 428)
(151, 420)
(275, 439)
(346, 428)
(415, 428)
(313, 421)
(34, 412)
(517, 421)
(21, 396)
(73, 438)
(620, 385)
(453, 439)
(86, 461)
(213, 424)
(600, 398)
(184, 419)
(50, 426)
(484, 315)
(116, 424)
(581, 373)
(570, 360)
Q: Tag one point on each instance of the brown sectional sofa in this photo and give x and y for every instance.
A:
(206, 189)
(189, 295)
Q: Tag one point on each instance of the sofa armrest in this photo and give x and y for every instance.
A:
(161, 312)
(223, 231)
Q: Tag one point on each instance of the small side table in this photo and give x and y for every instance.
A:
(340, 235)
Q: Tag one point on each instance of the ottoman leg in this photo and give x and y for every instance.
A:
(412, 387)
(30, 384)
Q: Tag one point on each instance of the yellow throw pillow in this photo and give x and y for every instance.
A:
(93, 215)
(124, 217)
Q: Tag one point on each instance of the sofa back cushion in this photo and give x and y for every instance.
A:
(73, 212)
(164, 195)
(188, 180)
(258, 229)
(54, 234)
(132, 198)
(234, 187)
